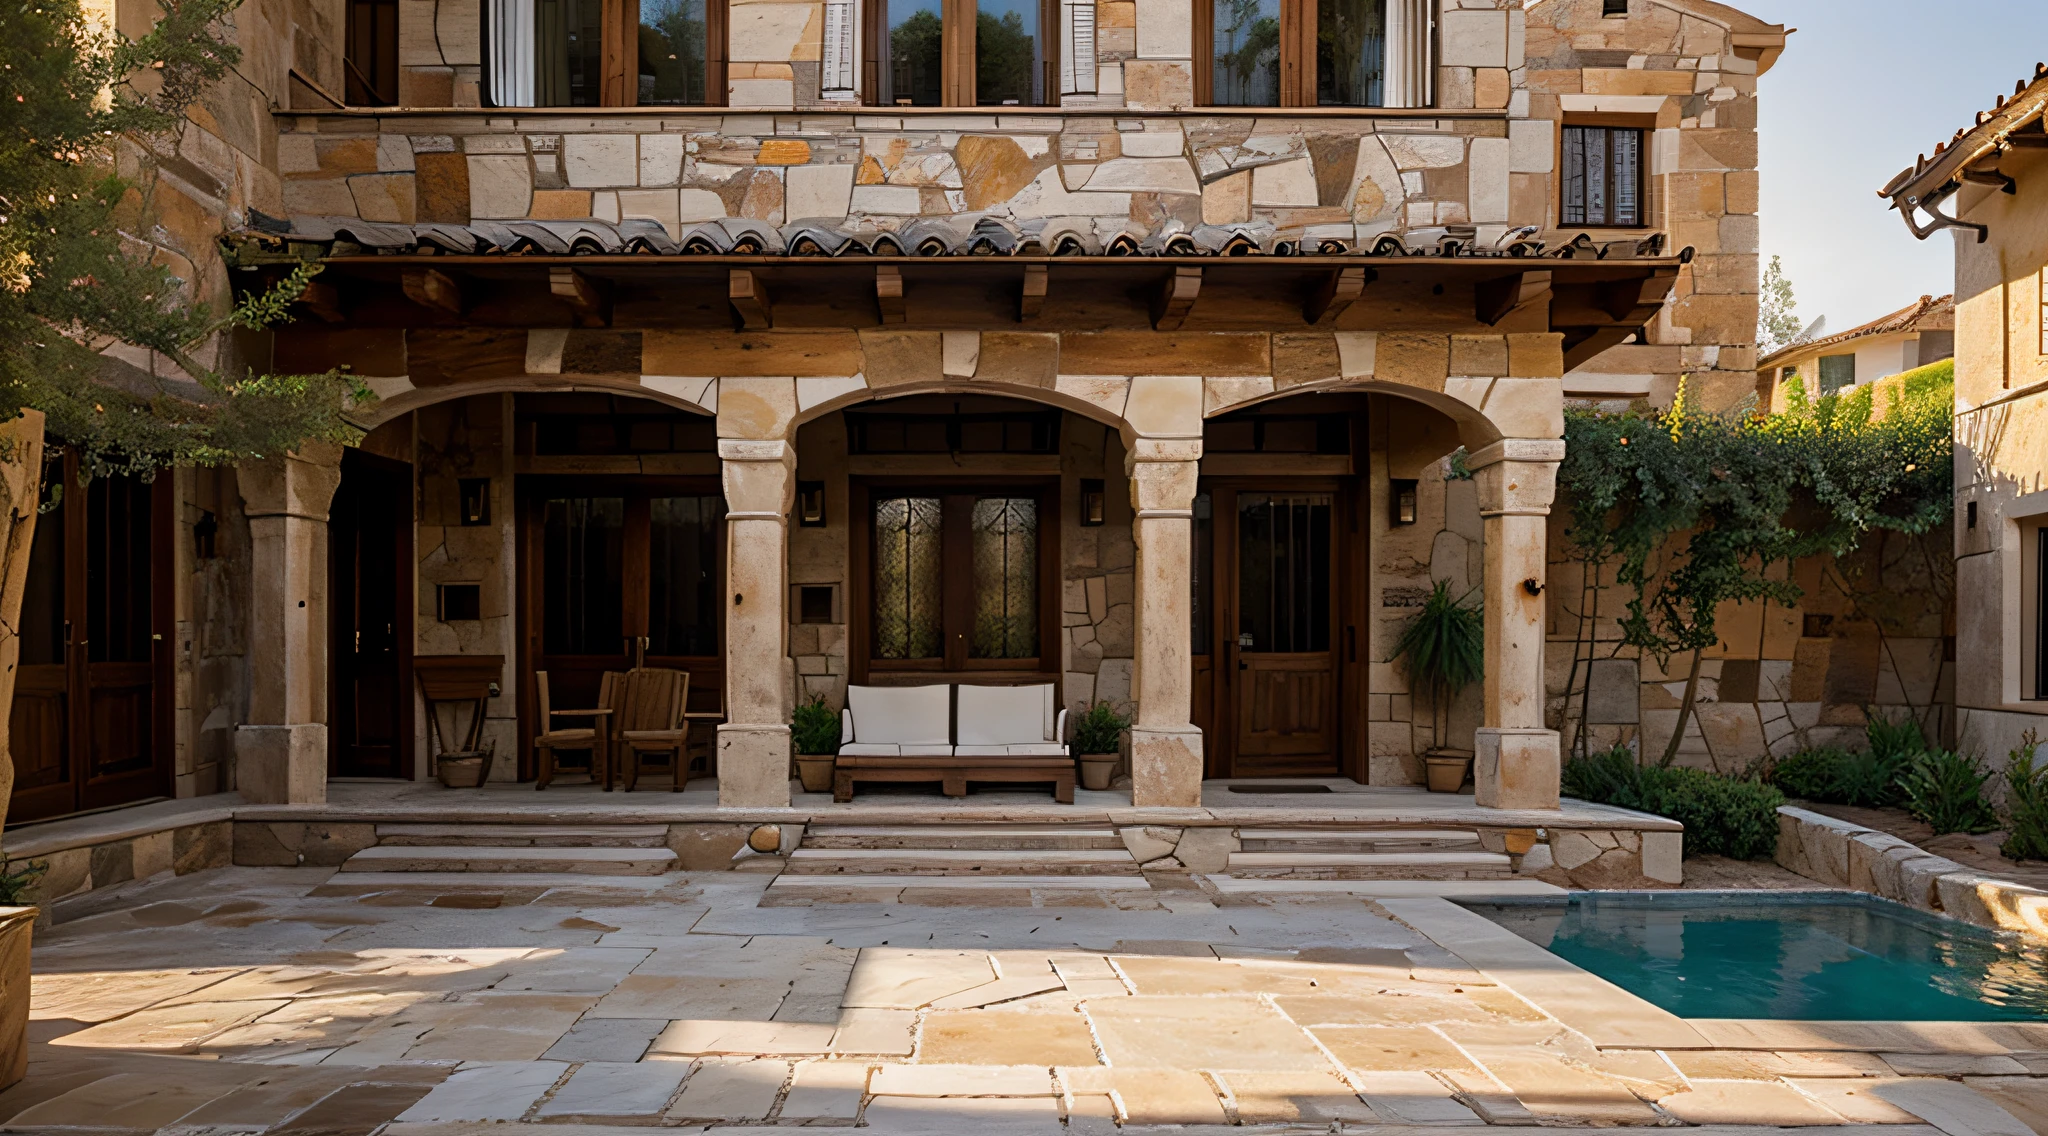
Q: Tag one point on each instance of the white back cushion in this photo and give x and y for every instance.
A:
(902, 715)
(1004, 715)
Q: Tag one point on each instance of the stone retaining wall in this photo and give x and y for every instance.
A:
(1845, 855)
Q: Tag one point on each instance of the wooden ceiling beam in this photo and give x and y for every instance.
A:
(1497, 299)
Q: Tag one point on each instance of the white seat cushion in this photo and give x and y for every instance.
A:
(1005, 715)
(869, 749)
(900, 715)
(925, 750)
(1028, 749)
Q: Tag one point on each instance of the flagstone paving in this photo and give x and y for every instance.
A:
(271, 1001)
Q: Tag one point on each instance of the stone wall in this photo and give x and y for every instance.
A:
(1845, 855)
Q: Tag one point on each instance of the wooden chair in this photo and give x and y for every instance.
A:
(596, 737)
(653, 722)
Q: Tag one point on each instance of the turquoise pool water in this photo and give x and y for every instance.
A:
(1803, 956)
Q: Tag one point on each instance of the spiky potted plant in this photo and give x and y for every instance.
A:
(814, 734)
(1098, 735)
(1445, 649)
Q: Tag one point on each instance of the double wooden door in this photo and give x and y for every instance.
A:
(90, 724)
(370, 585)
(618, 574)
(1270, 638)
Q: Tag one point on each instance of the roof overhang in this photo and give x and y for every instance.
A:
(1972, 156)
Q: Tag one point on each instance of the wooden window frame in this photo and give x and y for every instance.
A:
(1646, 202)
(618, 65)
(370, 48)
(956, 585)
(957, 19)
(1297, 47)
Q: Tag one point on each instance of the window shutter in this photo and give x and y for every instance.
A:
(511, 43)
(1408, 63)
(1077, 62)
(836, 80)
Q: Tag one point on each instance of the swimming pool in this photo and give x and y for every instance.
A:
(1802, 956)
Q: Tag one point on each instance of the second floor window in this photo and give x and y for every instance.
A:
(1603, 176)
(606, 52)
(961, 53)
(1312, 52)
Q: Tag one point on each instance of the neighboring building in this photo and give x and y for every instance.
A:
(820, 356)
(1990, 184)
(1912, 337)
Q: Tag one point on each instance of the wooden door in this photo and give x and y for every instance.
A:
(370, 585)
(619, 574)
(88, 727)
(1279, 677)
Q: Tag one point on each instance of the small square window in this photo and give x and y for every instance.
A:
(815, 603)
(455, 603)
(1603, 176)
(1614, 7)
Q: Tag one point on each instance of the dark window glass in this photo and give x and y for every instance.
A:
(1008, 68)
(1603, 176)
(42, 604)
(568, 45)
(1614, 7)
(371, 57)
(910, 58)
(1198, 576)
(907, 611)
(117, 570)
(583, 552)
(1245, 60)
(957, 433)
(1005, 578)
(1351, 51)
(1836, 372)
(1284, 572)
(1272, 434)
(682, 552)
(673, 61)
(2040, 612)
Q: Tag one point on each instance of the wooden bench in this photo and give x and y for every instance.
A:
(1005, 733)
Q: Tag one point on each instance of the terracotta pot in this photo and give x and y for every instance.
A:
(1447, 771)
(815, 770)
(464, 769)
(1096, 769)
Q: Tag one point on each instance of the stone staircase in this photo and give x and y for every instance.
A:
(593, 850)
(1041, 855)
(1366, 854)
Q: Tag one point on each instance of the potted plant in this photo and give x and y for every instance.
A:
(1445, 648)
(1098, 734)
(814, 732)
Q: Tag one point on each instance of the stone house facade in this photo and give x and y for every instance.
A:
(1918, 335)
(720, 345)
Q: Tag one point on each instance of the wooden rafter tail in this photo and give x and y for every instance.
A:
(1176, 298)
(749, 296)
(889, 293)
(432, 288)
(1338, 291)
(1497, 299)
(1032, 301)
(324, 301)
(586, 297)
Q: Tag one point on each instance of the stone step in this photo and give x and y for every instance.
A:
(1338, 840)
(1018, 837)
(522, 835)
(562, 861)
(1371, 865)
(807, 861)
(843, 881)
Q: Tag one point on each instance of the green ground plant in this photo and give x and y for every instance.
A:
(814, 728)
(1445, 649)
(1946, 790)
(2026, 803)
(1728, 816)
(1100, 729)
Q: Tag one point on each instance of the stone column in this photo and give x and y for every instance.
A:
(1166, 748)
(1517, 758)
(753, 742)
(281, 752)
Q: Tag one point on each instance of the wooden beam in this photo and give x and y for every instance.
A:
(1580, 351)
(583, 295)
(1033, 299)
(323, 300)
(432, 288)
(889, 292)
(749, 296)
(1176, 298)
(1338, 291)
(1624, 300)
(1497, 299)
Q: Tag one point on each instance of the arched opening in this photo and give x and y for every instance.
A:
(1309, 546)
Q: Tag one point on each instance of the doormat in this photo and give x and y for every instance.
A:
(1269, 787)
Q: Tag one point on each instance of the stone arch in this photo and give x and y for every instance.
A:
(1074, 400)
(402, 402)
(1476, 430)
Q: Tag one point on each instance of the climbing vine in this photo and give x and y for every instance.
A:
(1694, 509)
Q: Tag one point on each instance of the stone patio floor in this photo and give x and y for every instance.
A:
(283, 1001)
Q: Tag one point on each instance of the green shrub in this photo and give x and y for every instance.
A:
(2026, 804)
(1946, 789)
(814, 728)
(1868, 778)
(18, 889)
(1810, 774)
(1100, 729)
(1723, 816)
(1894, 738)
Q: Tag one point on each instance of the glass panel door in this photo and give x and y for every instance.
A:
(1286, 676)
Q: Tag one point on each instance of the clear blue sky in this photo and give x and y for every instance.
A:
(1863, 87)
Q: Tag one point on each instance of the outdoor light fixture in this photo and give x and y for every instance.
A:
(206, 528)
(1402, 500)
(810, 504)
(1094, 502)
(476, 500)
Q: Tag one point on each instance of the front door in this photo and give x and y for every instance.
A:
(370, 546)
(1279, 684)
(85, 728)
(622, 574)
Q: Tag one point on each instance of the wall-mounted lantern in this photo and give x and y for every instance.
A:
(1401, 500)
(476, 500)
(810, 504)
(1094, 502)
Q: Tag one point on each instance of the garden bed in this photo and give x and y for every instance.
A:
(1979, 851)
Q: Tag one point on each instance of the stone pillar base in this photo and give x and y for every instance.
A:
(753, 766)
(17, 924)
(1166, 767)
(282, 765)
(1516, 768)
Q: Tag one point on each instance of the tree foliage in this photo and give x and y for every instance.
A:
(100, 327)
(1776, 324)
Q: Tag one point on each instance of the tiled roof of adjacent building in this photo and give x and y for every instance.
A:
(2010, 123)
(1928, 313)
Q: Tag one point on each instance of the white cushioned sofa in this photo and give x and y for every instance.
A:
(953, 735)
